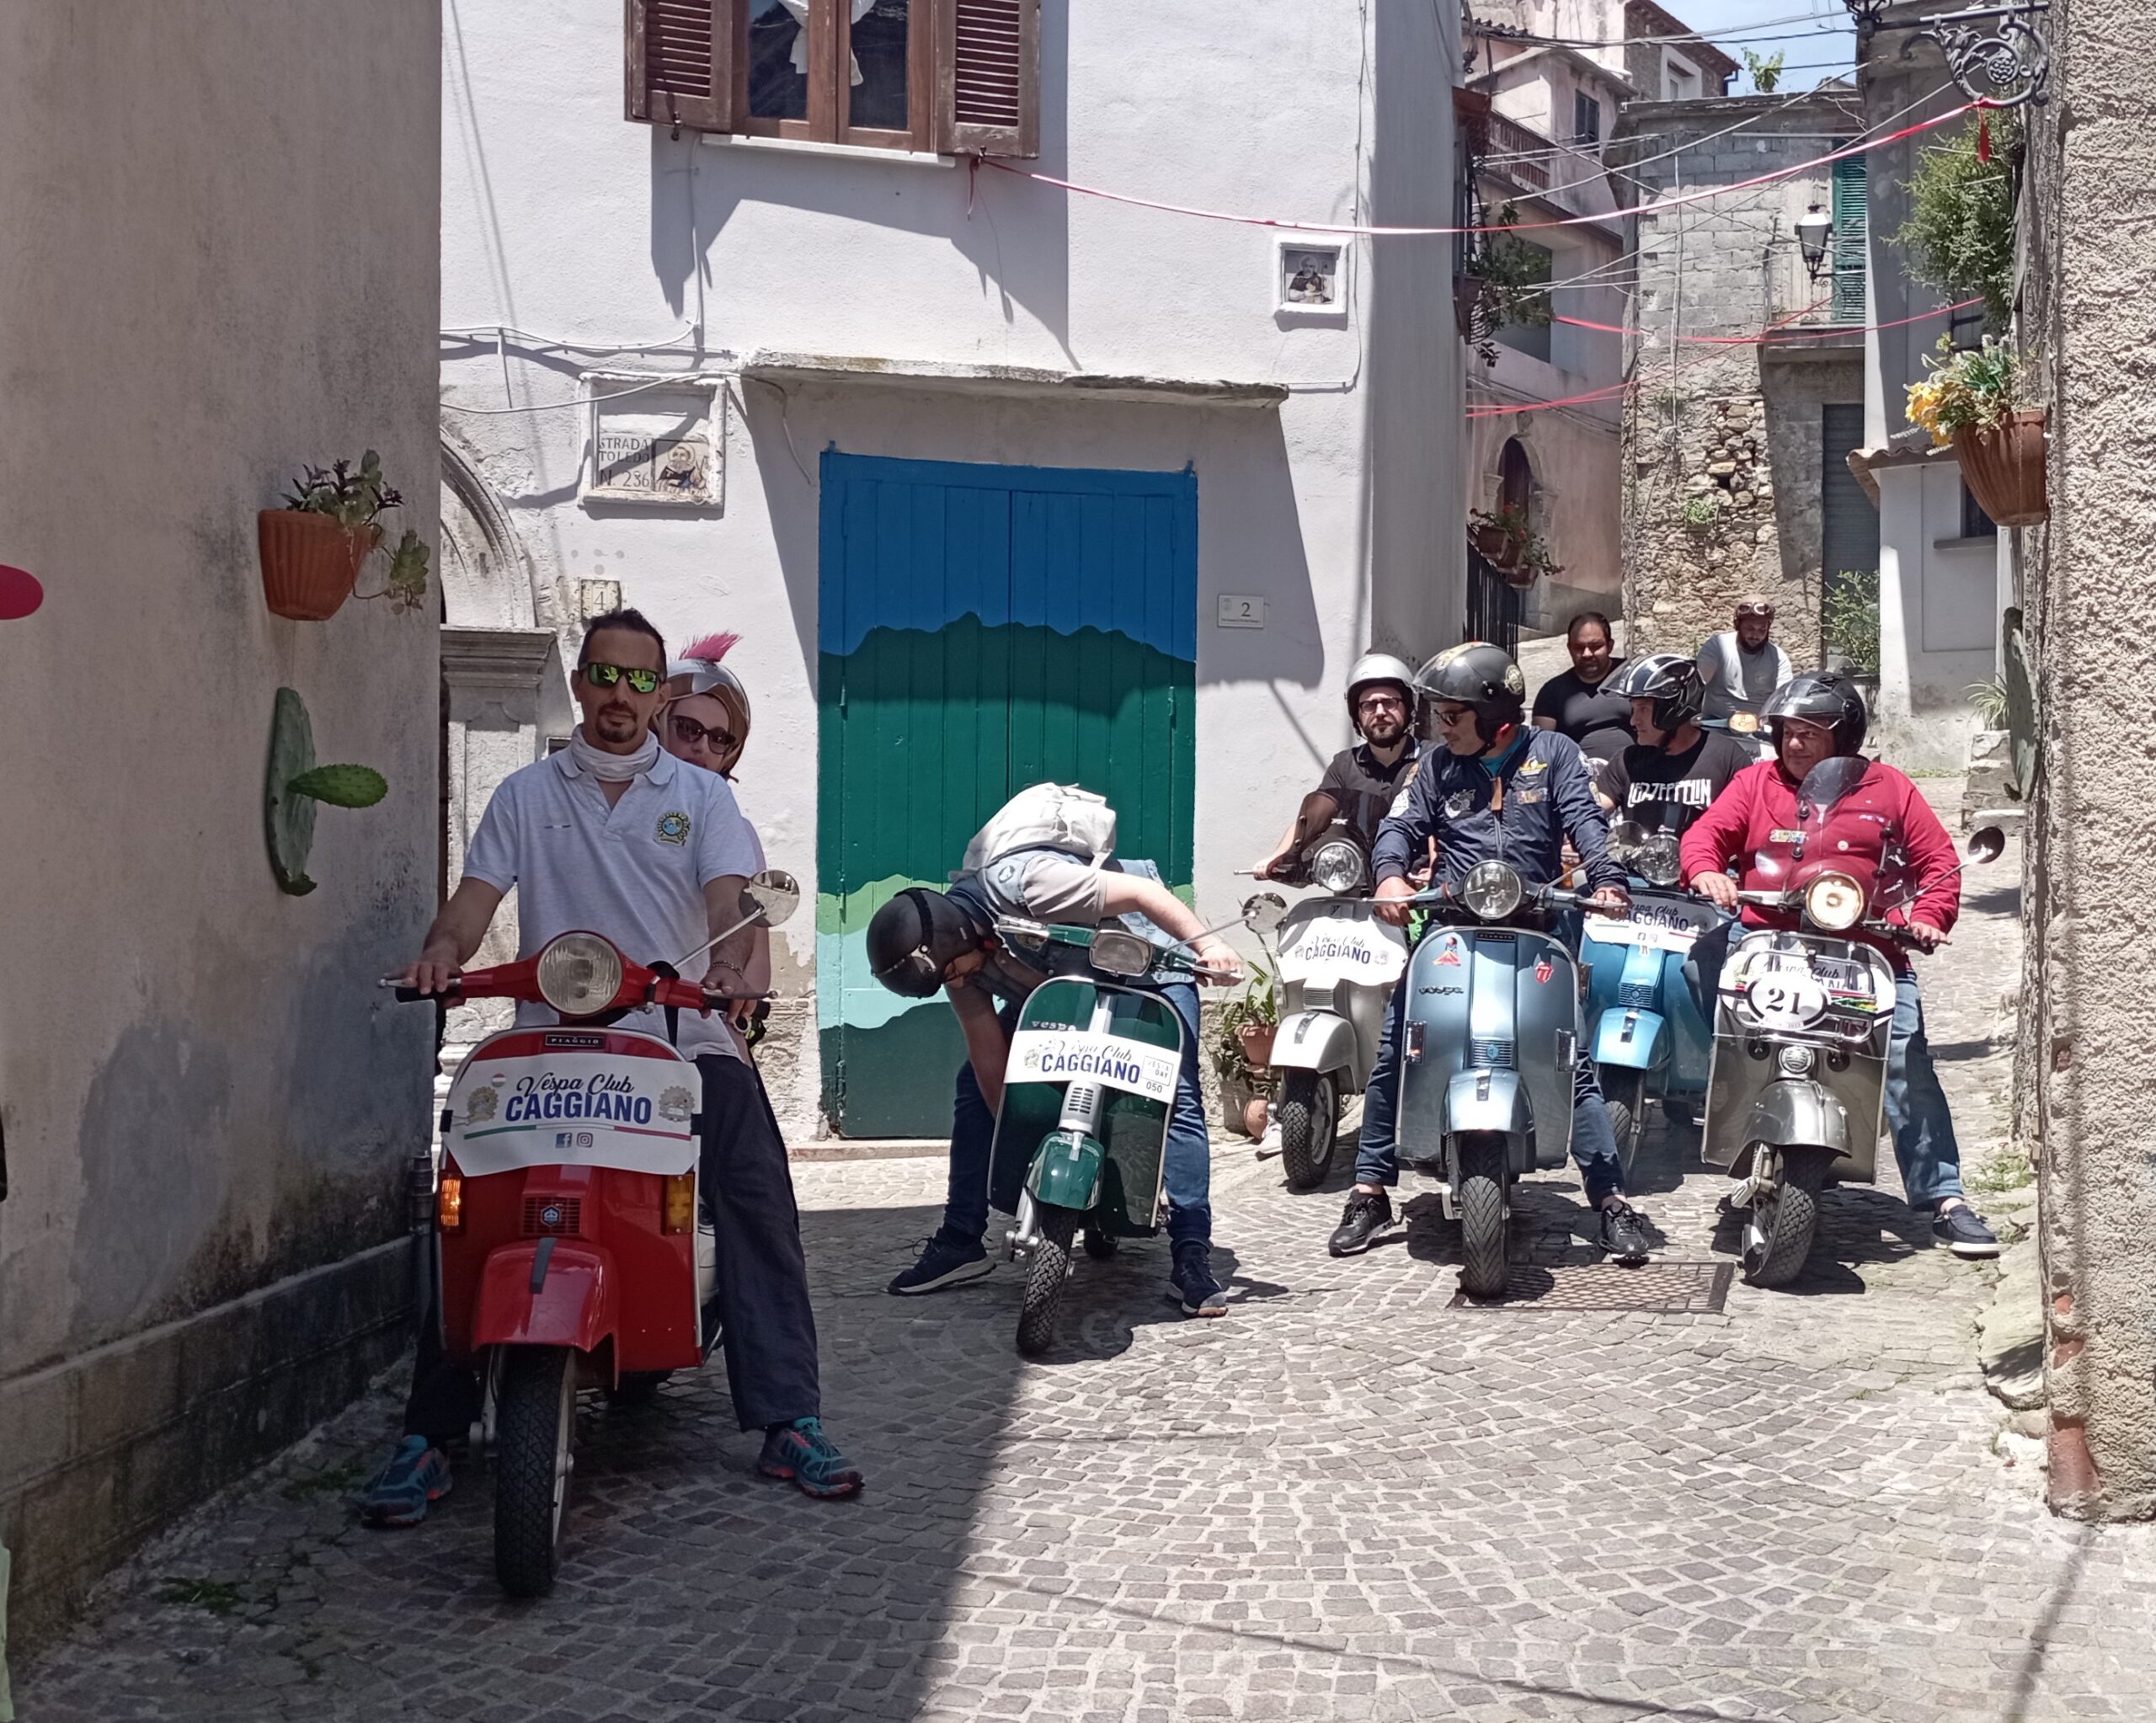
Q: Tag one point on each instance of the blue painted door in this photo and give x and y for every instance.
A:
(981, 628)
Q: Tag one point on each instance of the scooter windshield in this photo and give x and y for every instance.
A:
(1824, 786)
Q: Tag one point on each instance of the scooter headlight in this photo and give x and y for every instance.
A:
(1835, 902)
(1115, 952)
(1491, 890)
(1338, 867)
(1655, 861)
(580, 973)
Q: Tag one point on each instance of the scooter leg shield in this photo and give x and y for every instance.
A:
(1631, 1039)
(1313, 1041)
(1796, 1112)
(1066, 1170)
(572, 1299)
(1482, 1100)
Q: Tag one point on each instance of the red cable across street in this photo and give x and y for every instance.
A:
(1747, 340)
(1353, 230)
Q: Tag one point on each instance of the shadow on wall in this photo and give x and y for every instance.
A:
(1022, 261)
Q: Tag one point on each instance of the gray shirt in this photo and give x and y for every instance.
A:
(1737, 680)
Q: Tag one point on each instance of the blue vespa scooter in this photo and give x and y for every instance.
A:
(1647, 1037)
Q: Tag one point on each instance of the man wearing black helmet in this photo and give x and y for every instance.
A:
(1813, 717)
(923, 940)
(1500, 791)
(1667, 778)
(1362, 782)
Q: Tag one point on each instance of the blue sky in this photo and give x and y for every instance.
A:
(1816, 48)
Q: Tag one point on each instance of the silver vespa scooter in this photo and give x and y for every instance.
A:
(1338, 966)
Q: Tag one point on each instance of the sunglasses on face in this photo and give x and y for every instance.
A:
(612, 675)
(688, 732)
(1459, 714)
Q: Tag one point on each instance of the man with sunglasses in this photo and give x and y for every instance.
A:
(615, 834)
(1500, 790)
(1740, 670)
(1364, 780)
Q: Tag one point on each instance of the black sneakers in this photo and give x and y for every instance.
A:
(1368, 1213)
(1624, 1233)
(1965, 1232)
(943, 1262)
(1195, 1288)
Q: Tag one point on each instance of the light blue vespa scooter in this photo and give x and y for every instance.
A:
(1649, 1041)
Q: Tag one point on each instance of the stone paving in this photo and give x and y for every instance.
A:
(1350, 1499)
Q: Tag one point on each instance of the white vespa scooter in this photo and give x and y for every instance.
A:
(1339, 965)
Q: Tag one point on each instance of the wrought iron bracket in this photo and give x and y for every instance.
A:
(1998, 54)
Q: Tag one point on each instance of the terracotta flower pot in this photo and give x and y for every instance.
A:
(1520, 574)
(1496, 544)
(2004, 467)
(1254, 1112)
(1256, 1039)
(309, 562)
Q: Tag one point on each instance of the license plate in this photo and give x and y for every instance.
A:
(1082, 1056)
(1650, 935)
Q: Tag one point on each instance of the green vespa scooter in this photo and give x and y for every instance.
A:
(1089, 1084)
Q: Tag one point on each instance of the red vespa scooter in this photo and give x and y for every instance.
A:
(570, 1254)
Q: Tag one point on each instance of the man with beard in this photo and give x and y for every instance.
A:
(1742, 668)
(1364, 780)
(1582, 703)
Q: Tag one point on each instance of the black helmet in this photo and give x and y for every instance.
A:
(1477, 674)
(915, 936)
(1668, 679)
(1820, 697)
(1376, 667)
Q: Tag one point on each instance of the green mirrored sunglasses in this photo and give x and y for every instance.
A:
(607, 675)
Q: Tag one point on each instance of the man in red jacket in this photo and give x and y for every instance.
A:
(1884, 822)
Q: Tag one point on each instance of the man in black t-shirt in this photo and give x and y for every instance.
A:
(1582, 703)
(1362, 782)
(1666, 779)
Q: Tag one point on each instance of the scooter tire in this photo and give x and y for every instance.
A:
(1483, 1223)
(1310, 1126)
(1048, 1268)
(1785, 1221)
(535, 1425)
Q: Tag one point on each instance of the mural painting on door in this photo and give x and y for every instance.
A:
(981, 628)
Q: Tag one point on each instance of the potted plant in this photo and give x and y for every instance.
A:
(1967, 399)
(1499, 533)
(314, 547)
(1242, 1052)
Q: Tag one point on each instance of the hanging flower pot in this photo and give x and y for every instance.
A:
(1519, 572)
(1496, 545)
(2003, 466)
(309, 561)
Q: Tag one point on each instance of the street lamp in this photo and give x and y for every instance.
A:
(1997, 54)
(1814, 228)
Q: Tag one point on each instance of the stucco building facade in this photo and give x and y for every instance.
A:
(222, 268)
(998, 481)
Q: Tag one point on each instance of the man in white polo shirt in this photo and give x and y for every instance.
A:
(616, 836)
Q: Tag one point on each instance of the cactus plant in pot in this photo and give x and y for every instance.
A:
(314, 547)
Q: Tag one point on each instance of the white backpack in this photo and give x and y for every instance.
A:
(1046, 817)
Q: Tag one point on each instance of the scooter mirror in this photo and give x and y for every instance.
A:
(773, 896)
(1985, 843)
(1265, 911)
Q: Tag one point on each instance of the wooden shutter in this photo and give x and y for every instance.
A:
(679, 63)
(1850, 248)
(987, 77)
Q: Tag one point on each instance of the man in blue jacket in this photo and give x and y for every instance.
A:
(1496, 790)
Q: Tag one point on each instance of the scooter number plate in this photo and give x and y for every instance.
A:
(1082, 1056)
(1785, 1001)
(1653, 936)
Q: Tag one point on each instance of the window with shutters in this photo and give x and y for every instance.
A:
(1848, 240)
(958, 76)
(1586, 119)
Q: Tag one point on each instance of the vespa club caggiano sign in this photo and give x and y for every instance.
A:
(573, 1109)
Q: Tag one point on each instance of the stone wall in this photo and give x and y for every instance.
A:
(1722, 458)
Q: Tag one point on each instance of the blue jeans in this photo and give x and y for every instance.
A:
(1377, 1156)
(1924, 1145)
(1187, 1164)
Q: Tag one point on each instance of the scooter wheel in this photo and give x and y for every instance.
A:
(1309, 1123)
(1483, 1223)
(1778, 1231)
(535, 1436)
(1048, 1268)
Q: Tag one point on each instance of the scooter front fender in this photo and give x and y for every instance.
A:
(1066, 1170)
(1315, 1041)
(1631, 1038)
(1796, 1113)
(1488, 1100)
(571, 1298)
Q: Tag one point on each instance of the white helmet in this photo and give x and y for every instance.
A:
(1381, 667)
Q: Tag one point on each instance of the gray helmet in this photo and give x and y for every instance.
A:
(1668, 679)
(1380, 667)
(1477, 674)
(1820, 697)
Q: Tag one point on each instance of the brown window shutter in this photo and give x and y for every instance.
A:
(988, 77)
(679, 63)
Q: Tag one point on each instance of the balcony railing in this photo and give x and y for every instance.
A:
(1523, 156)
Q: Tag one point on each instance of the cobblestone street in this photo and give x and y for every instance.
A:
(1351, 1499)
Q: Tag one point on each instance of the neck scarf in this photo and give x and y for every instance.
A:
(612, 768)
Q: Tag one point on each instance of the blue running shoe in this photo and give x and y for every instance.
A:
(416, 1475)
(801, 1451)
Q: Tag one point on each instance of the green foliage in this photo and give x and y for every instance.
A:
(1969, 385)
(350, 497)
(1850, 619)
(1989, 701)
(1700, 511)
(1259, 1003)
(1766, 73)
(1959, 236)
(341, 785)
(407, 589)
(1515, 283)
(1530, 550)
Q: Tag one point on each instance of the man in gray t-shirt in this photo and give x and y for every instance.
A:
(1742, 668)
(921, 938)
